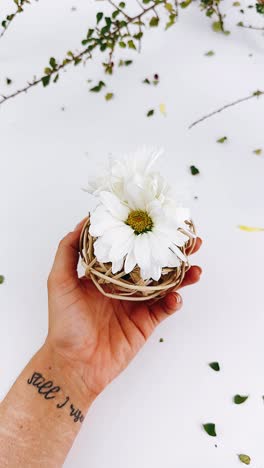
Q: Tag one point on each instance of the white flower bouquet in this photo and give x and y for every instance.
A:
(135, 244)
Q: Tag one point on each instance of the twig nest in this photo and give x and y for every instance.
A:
(131, 286)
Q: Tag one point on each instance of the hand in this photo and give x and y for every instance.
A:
(96, 335)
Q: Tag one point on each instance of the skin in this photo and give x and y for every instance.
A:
(91, 339)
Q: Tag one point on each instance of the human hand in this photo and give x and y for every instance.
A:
(96, 335)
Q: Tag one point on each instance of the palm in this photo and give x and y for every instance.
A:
(99, 332)
(99, 335)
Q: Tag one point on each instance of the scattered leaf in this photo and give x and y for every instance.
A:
(222, 139)
(249, 229)
(236, 4)
(8, 81)
(210, 53)
(244, 459)
(162, 109)
(161, 340)
(146, 81)
(258, 151)
(2, 279)
(150, 112)
(210, 429)
(194, 170)
(239, 399)
(215, 366)
(97, 88)
(109, 96)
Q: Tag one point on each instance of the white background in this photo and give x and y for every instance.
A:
(151, 416)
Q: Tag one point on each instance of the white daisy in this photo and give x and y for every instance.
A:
(129, 235)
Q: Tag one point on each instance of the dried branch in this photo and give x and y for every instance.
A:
(256, 94)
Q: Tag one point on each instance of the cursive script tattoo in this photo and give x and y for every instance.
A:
(49, 391)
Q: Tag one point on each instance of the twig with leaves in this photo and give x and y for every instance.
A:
(10, 17)
(114, 32)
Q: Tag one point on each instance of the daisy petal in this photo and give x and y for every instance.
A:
(114, 205)
(101, 251)
(117, 265)
(102, 221)
(130, 261)
(142, 250)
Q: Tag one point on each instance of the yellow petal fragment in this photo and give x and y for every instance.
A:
(162, 109)
(250, 229)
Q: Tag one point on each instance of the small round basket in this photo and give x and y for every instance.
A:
(130, 287)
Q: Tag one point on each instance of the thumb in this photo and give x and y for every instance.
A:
(66, 259)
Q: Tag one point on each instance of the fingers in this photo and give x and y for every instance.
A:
(198, 243)
(65, 264)
(192, 276)
(165, 307)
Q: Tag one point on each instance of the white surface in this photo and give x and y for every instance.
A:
(151, 415)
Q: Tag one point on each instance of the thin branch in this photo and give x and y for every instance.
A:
(39, 80)
(256, 94)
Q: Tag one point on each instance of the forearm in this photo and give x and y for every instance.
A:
(42, 413)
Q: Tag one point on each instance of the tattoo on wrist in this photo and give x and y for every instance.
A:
(49, 391)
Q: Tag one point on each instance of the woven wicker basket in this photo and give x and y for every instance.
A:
(130, 287)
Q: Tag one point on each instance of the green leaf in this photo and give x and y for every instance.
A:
(239, 399)
(122, 44)
(215, 366)
(186, 3)
(2, 279)
(115, 14)
(217, 26)
(146, 81)
(154, 21)
(122, 4)
(257, 93)
(56, 78)
(161, 340)
(99, 16)
(194, 170)
(257, 151)
(45, 80)
(222, 139)
(150, 112)
(47, 71)
(52, 62)
(172, 19)
(131, 44)
(260, 8)
(8, 81)
(236, 4)
(109, 96)
(210, 429)
(244, 459)
(210, 53)
(98, 87)
(169, 7)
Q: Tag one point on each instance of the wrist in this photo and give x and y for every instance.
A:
(65, 373)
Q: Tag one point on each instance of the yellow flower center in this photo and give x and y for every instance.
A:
(140, 221)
